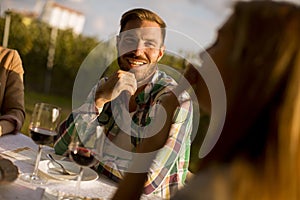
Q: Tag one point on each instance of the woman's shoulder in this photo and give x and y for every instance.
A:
(10, 60)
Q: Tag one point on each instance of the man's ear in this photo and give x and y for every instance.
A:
(161, 52)
(118, 40)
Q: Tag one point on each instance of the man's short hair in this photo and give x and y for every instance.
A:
(143, 14)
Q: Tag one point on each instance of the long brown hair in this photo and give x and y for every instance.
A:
(261, 134)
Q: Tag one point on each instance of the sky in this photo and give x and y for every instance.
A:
(192, 24)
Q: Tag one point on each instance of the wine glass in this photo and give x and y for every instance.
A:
(82, 151)
(42, 128)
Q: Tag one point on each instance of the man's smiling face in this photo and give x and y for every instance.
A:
(140, 48)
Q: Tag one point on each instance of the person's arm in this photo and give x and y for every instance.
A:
(133, 184)
(86, 114)
(12, 108)
(131, 187)
(6, 127)
(65, 133)
(106, 90)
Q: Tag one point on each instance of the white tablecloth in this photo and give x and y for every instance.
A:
(21, 150)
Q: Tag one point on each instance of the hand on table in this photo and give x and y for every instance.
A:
(8, 171)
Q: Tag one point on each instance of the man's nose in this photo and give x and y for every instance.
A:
(139, 49)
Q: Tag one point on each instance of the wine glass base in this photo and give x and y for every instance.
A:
(70, 198)
(31, 178)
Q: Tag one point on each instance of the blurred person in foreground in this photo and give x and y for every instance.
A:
(257, 156)
(12, 110)
(140, 86)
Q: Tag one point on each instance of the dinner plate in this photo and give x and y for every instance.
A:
(51, 170)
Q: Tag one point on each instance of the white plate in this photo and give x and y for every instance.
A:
(48, 168)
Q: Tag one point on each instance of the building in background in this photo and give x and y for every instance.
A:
(62, 17)
(59, 17)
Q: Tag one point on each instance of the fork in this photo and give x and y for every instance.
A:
(64, 171)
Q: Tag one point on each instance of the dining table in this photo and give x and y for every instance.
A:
(22, 151)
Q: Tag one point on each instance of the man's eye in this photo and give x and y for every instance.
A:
(129, 40)
(150, 44)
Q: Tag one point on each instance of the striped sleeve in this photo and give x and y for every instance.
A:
(86, 115)
(170, 166)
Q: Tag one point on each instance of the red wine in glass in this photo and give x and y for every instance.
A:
(44, 121)
(83, 157)
(82, 154)
(42, 136)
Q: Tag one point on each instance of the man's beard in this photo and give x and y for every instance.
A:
(142, 77)
(146, 77)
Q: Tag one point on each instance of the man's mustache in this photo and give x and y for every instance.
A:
(132, 55)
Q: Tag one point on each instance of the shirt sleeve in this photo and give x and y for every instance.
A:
(85, 119)
(12, 108)
(171, 163)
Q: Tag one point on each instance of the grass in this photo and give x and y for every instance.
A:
(31, 98)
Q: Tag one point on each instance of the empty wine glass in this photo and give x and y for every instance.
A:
(42, 128)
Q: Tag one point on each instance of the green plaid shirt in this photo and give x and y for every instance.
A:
(170, 166)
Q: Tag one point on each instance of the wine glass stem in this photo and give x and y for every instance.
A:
(79, 181)
(37, 161)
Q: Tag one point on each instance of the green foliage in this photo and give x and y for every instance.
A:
(31, 38)
(20, 37)
(173, 61)
(70, 52)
